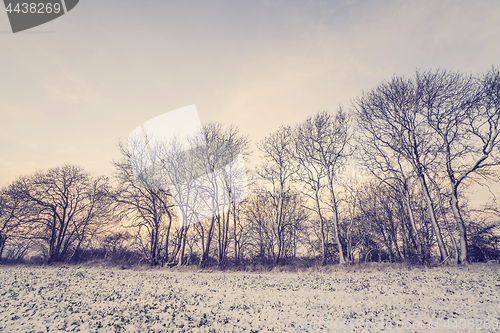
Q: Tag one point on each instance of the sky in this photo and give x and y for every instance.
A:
(73, 88)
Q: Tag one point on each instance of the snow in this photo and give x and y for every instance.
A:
(61, 299)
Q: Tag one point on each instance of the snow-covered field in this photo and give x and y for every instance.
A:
(52, 299)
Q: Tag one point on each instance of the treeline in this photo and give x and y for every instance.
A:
(385, 180)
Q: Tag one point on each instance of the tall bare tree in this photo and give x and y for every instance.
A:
(224, 147)
(278, 174)
(464, 113)
(321, 149)
(390, 115)
(390, 168)
(144, 202)
(67, 206)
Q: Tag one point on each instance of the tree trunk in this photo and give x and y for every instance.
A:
(461, 226)
(154, 246)
(441, 207)
(184, 231)
(165, 260)
(3, 240)
(336, 226)
(413, 230)
(322, 231)
(206, 250)
(430, 209)
(235, 235)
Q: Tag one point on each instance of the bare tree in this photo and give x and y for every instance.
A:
(353, 189)
(278, 173)
(390, 168)
(5, 217)
(67, 206)
(14, 215)
(223, 187)
(272, 241)
(320, 150)
(144, 201)
(196, 179)
(390, 115)
(464, 114)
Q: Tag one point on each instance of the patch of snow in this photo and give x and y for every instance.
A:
(59, 299)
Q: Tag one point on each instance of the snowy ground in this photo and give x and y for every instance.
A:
(52, 299)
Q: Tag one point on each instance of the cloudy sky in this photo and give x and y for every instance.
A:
(71, 89)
